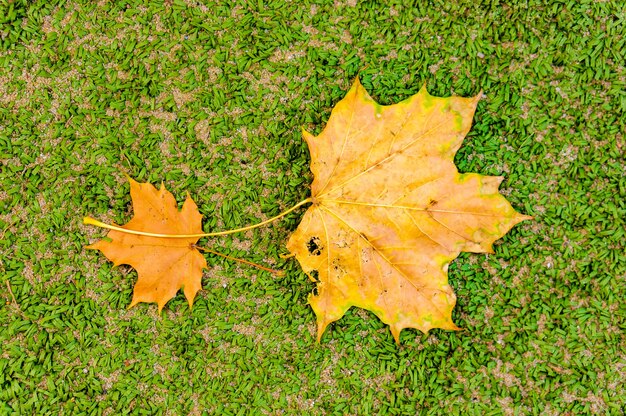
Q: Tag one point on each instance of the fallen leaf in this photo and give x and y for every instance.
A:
(390, 210)
(164, 265)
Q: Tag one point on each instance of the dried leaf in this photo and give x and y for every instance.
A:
(390, 210)
(164, 265)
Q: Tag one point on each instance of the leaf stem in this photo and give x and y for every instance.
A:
(258, 266)
(93, 221)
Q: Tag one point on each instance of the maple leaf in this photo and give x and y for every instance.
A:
(390, 210)
(164, 265)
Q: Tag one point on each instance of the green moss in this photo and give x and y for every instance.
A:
(210, 100)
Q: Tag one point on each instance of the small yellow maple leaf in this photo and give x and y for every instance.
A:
(390, 210)
(164, 265)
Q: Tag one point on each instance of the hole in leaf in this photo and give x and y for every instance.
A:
(314, 247)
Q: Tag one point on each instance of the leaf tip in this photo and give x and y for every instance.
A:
(395, 331)
(190, 295)
(321, 328)
(133, 183)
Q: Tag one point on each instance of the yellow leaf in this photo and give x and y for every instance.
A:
(164, 265)
(390, 210)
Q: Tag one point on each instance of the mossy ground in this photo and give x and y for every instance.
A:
(210, 98)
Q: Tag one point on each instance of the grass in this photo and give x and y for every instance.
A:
(210, 100)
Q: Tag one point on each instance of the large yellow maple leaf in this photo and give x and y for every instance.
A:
(390, 210)
(164, 265)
